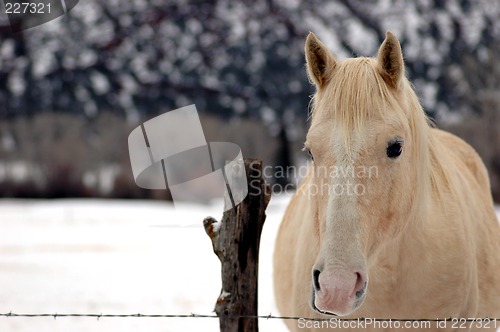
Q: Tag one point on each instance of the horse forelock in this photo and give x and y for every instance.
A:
(355, 94)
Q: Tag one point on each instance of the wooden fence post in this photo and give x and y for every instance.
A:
(236, 242)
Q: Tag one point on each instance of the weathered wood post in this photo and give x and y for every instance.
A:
(236, 242)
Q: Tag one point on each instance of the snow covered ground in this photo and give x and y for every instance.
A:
(105, 256)
(114, 257)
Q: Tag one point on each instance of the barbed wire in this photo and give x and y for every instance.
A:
(270, 316)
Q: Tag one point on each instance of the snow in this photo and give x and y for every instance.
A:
(109, 256)
(223, 295)
(118, 257)
(216, 226)
(18, 171)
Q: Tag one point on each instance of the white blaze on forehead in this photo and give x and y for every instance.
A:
(342, 212)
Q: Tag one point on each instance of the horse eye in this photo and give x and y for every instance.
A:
(310, 154)
(394, 149)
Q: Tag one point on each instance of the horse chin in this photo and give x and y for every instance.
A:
(349, 310)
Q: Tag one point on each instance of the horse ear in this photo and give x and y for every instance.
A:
(320, 62)
(390, 60)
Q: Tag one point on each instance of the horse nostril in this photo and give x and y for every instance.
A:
(316, 279)
(360, 286)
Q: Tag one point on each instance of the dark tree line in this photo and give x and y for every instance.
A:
(229, 57)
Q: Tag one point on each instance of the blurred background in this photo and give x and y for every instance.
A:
(72, 90)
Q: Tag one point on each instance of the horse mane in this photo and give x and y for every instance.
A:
(356, 92)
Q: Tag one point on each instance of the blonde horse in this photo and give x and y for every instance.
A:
(395, 219)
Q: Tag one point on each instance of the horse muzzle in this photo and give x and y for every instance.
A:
(338, 293)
